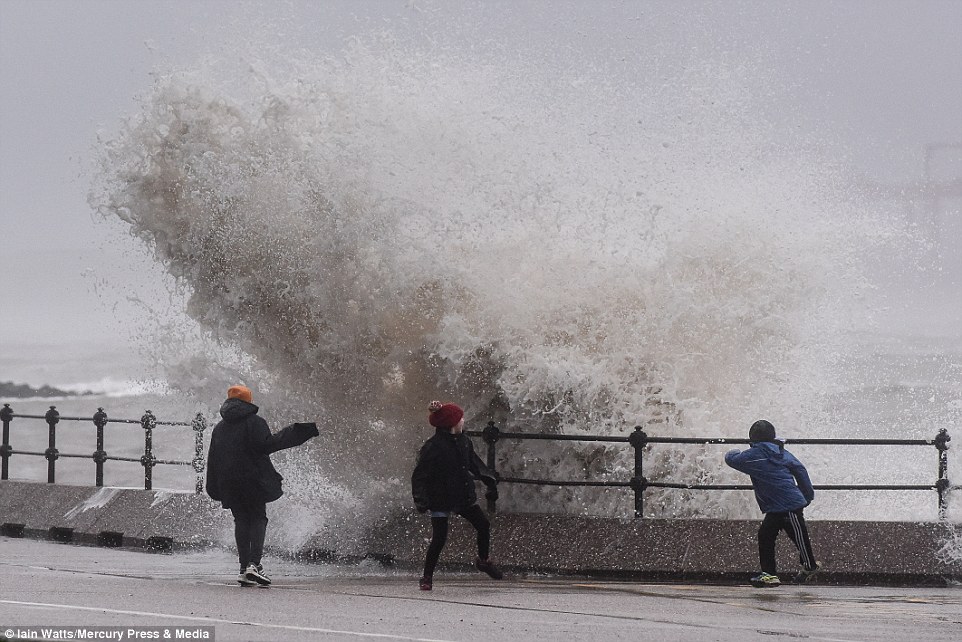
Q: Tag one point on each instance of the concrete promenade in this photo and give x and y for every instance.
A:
(45, 584)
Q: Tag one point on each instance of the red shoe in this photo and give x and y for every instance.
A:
(488, 566)
(426, 584)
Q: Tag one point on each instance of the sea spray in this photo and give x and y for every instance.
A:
(549, 248)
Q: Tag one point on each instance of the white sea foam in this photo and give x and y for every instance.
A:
(101, 498)
(357, 235)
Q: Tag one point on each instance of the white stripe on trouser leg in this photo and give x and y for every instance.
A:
(800, 541)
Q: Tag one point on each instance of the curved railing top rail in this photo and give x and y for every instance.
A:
(625, 439)
(157, 422)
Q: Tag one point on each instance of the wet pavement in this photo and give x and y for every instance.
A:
(44, 584)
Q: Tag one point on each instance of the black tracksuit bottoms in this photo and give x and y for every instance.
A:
(250, 527)
(793, 523)
(439, 536)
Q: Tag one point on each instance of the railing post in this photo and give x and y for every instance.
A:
(51, 453)
(200, 425)
(490, 435)
(6, 415)
(942, 485)
(100, 456)
(148, 422)
(638, 440)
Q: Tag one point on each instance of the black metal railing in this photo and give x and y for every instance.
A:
(639, 441)
(148, 424)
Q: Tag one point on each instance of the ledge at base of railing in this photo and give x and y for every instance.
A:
(875, 553)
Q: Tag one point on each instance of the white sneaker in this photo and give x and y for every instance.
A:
(243, 581)
(256, 574)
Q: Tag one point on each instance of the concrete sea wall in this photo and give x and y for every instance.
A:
(691, 549)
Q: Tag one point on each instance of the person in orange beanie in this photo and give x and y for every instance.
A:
(241, 476)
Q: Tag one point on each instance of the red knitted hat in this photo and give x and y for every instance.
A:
(444, 415)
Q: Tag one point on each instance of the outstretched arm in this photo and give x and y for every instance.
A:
(746, 461)
(486, 475)
(262, 440)
(480, 470)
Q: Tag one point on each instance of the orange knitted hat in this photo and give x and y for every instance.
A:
(240, 392)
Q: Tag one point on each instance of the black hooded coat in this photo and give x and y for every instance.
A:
(446, 469)
(239, 468)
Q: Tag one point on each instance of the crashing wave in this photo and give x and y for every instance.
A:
(392, 226)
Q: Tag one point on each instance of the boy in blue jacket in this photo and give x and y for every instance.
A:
(782, 490)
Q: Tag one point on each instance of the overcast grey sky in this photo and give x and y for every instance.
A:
(884, 78)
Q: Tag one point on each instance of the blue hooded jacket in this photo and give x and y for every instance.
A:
(780, 481)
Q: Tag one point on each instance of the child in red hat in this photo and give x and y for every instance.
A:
(443, 483)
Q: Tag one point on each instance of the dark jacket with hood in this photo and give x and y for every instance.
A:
(446, 469)
(780, 481)
(239, 468)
